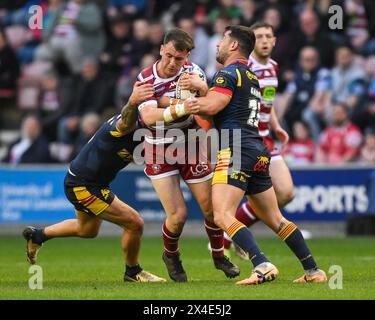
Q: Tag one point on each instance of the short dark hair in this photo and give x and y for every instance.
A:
(244, 36)
(262, 24)
(181, 40)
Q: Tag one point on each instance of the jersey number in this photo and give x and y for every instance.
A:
(254, 106)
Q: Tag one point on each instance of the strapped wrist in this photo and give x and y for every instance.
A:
(175, 110)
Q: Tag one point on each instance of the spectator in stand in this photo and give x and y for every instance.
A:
(32, 147)
(9, 68)
(366, 118)
(367, 155)
(339, 143)
(51, 101)
(357, 28)
(221, 22)
(283, 51)
(115, 54)
(307, 97)
(311, 34)
(248, 10)
(140, 44)
(199, 54)
(156, 36)
(131, 8)
(90, 95)
(73, 32)
(90, 123)
(348, 80)
(301, 149)
(229, 7)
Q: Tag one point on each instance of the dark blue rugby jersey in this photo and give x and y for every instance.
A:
(242, 112)
(108, 151)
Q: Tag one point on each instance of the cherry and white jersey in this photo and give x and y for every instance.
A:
(166, 87)
(267, 77)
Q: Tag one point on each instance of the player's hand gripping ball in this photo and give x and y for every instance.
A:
(187, 93)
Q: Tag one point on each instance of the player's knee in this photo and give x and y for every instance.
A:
(136, 224)
(178, 219)
(88, 233)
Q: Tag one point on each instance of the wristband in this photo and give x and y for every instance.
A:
(174, 111)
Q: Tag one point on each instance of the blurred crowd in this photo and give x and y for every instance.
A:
(69, 71)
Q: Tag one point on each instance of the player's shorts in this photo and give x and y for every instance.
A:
(85, 197)
(164, 161)
(274, 151)
(247, 170)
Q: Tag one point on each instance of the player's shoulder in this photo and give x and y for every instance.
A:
(147, 74)
(229, 71)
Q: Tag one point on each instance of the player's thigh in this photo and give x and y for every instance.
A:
(169, 192)
(225, 199)
(88, 225)
(202, 192)
(122, 214)
(282, 181)
(265, 205)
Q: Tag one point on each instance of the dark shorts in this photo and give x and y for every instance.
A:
(247, 169)
(85, 197)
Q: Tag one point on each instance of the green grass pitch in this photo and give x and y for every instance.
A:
(93, 269)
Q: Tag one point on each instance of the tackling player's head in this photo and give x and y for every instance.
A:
(237, 42)
(174, 52)
(265, 39)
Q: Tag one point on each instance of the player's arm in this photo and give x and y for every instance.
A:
(281, 134)
(213, 103)
(176, 109)
(141, 92)
(219, 95)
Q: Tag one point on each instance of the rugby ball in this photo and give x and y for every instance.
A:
(185, 93)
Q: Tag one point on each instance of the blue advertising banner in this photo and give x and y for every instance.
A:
(329, 194)
(36, 194)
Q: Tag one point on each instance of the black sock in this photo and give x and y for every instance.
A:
(39, 237)
(132, 271)
(244, 238)
(293, 237)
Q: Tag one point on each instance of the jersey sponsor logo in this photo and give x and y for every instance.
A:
(199, 169)
(156, 168)
(220, 80)
(239, 175)
(269, 93)
(251, 76)
(105, 193)
(160, 89)
(226, 71)
(262, 164)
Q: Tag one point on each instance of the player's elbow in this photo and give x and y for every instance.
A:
(148, 118)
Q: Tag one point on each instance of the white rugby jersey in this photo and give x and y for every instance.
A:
(267, 77)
